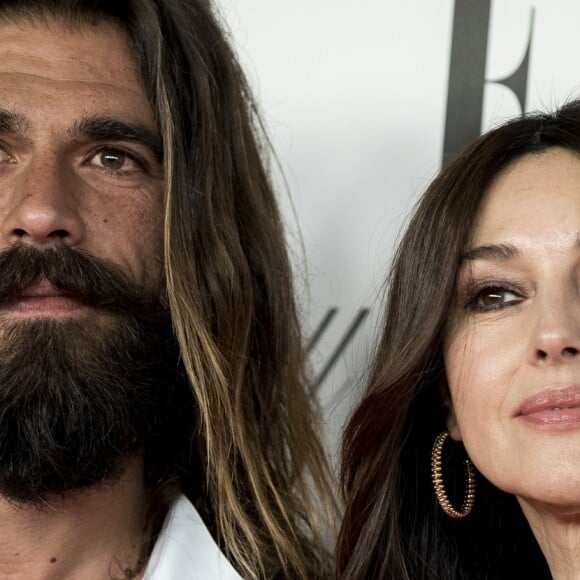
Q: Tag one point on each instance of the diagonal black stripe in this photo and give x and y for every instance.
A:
(321, 328)
(344, 342)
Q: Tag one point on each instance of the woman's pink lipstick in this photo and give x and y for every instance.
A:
(556, 408)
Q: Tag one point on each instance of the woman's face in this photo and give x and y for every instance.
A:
(512, 353)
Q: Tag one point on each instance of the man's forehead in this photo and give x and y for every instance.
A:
(91, 54)
(49, 69)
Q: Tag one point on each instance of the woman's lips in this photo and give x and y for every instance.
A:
(555, 407)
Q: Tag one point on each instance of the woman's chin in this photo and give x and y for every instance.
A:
(560, 502)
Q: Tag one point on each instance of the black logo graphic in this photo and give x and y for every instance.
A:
(467, 75)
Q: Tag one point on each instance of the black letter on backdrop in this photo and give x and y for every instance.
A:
(346, 339)
(467, 75)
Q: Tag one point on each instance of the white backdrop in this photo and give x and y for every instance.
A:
(355, 97)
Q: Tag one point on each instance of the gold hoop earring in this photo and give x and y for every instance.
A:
(437, 477)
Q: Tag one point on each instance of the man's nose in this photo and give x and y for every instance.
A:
(556, 336)
(41, 208)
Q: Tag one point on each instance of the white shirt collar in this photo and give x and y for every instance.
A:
(186, 550)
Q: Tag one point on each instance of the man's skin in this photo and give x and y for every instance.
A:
(61, 185)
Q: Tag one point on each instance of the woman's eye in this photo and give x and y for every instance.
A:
(115, 161)
(494, 299)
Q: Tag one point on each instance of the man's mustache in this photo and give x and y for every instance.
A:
(78, 274)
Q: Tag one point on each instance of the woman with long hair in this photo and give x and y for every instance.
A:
(463, 458)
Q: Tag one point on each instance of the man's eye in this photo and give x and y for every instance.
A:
(494, 299)
(5, 157)
(114, 160)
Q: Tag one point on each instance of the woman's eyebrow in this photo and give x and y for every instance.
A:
(491, 252)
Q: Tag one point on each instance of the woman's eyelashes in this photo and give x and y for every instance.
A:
(492, 296)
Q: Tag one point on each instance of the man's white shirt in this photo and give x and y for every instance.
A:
(185, 550)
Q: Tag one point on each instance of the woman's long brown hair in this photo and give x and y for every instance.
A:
(264, 478)
(393, 527)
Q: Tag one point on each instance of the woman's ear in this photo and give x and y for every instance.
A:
(450, 417)
(451, 420)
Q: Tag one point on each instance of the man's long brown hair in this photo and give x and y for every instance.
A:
(229, 287)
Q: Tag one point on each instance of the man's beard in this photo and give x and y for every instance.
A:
(80, 395)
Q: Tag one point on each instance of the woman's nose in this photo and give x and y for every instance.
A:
(556, 336)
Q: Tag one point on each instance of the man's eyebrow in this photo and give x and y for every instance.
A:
(102, 128)
(491, 252)
(11, 123)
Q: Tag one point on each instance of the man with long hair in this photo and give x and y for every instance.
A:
(155, 416)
